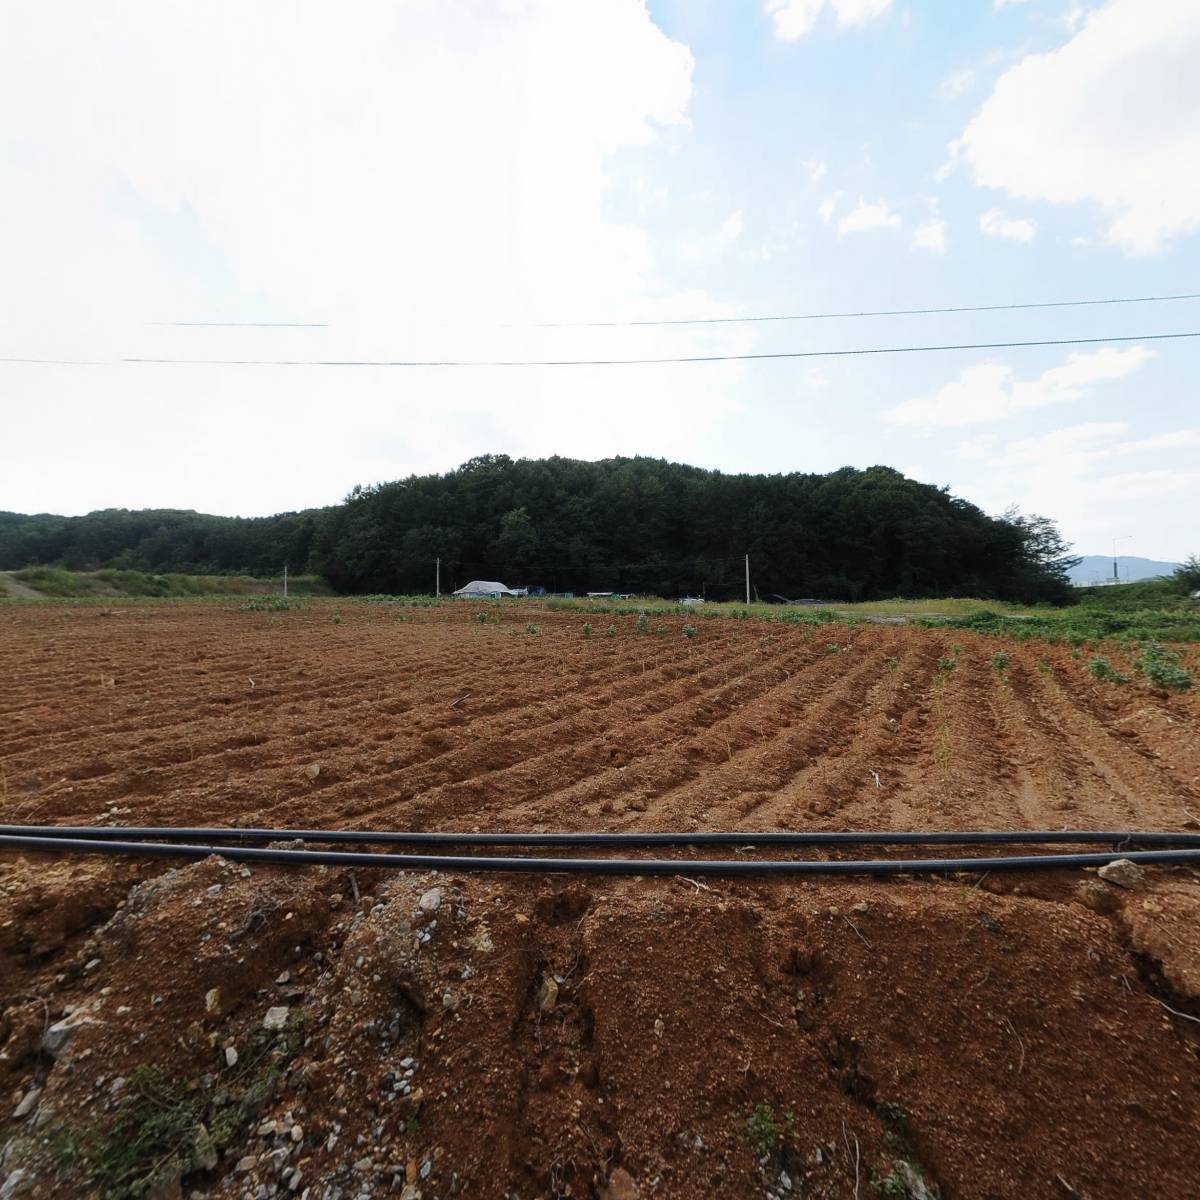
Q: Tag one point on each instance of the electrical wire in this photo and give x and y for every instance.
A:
(589, 866)
(237, 324)
(998, 837)
(882, 312)
(629, 362)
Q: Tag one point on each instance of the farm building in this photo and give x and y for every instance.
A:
(484, 589)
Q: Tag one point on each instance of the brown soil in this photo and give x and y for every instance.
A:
(1004, 1037)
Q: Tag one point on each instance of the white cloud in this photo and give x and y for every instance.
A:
(1021, 230)
(1007, 3)
(989, 391)
(1110, 118)
(955, 86)
(732, 226)
(827, 206)
(793, 19)
(383, 174)
(930, 236)
(1075, 474)
(1175, 440)
(864, 217)
(816, 169)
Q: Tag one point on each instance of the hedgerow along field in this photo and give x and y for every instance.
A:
(980, 1035)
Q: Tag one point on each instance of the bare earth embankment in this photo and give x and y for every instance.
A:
(499, 1036)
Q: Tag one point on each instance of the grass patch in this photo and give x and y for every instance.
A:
(166, 1129)
(763, 1131)
(1162, 667)
(57, 583)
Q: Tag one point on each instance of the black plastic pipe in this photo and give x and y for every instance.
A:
(171, 833)
(590, 866)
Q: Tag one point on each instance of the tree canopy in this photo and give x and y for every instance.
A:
(623, 524)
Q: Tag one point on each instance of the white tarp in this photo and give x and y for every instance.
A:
(485, 589)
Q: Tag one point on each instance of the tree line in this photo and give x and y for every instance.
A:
(636, 525)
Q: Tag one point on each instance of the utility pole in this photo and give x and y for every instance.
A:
(747, 579)
(1123, 538)
(285, 581)
(438, 584)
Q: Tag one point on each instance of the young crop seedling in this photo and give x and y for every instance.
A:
(587, 629)
(1000, 662)
(689, 631)
(1163, 668)
(1100, 668)
(764, 1131)
(531, 628)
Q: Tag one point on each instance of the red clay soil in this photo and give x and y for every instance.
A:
(501, 1036)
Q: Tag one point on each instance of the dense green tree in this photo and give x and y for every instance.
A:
(623, 524)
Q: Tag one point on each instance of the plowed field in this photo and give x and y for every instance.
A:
(986, 1037)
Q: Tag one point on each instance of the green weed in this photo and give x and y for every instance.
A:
(1100, 668)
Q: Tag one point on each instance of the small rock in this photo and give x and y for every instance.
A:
(431, 901)
(276, 1018)
(547, 993)
(215, 890)
(19, 1180)
(297, 1133)
(204, 1150)
(426, 1168)
(914, 1185)
(1123, 873)
(620, 1186)
(28, 1103)
(411, 1192)
(212, 1000)
(284, 977)
(231, 1056)
(91, 964)
(312, 770)
(659, 1027)
(248, 1163)
(1096, 896)
(55, 1039)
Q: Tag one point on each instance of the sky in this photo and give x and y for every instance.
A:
(481, 179)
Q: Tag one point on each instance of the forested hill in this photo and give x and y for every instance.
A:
(158, 539)
(626, 524)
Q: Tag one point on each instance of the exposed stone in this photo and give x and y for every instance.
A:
(212, 1000)
(276, 1018)
(28, 1103)
(20, 1180)
(547, 993)
(620, 1186)
(430, 901)
(1096, 896)
(204, 1150)
(1123, 873)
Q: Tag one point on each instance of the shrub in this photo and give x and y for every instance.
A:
(1162, 667)
(1100, 668)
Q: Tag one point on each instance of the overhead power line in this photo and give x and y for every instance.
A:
(238, 324)
(882, 312)
(626, 362)
(812, 316)
(610, 362)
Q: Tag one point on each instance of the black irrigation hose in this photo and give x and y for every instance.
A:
(597, 866)
(170, 833)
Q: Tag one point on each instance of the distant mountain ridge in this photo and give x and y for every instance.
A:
(1098, 568)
